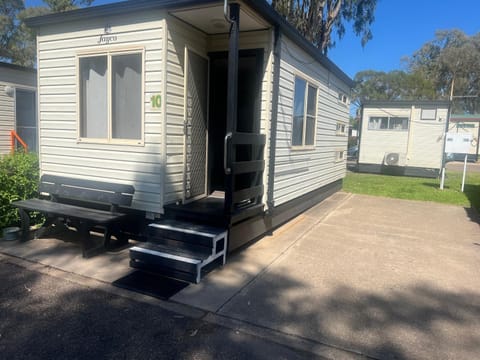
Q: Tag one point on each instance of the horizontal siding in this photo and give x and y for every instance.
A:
(298, 172)
(61, 152)
(426, 140)
(7, 119)
(422, 144)
(7, 111)
(180, 36)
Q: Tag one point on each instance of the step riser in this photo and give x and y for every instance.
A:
(181, 250)
(179, 275)
(181, 245)
(160, 260)
(179, 235)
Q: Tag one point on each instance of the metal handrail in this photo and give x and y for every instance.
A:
(14, 136)
(226, 168)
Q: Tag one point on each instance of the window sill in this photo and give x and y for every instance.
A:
(389, 130)
(111, 142)
(300, 147)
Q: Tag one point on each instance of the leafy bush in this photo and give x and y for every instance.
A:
(19, 175)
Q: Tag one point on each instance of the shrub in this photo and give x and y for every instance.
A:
(19, 175)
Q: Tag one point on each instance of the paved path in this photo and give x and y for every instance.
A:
(458, 166)
(354, 276)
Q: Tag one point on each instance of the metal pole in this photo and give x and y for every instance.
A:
(232, 101)
(442, 181)
(464, 171)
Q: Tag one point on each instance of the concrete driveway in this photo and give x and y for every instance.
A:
(354, 276)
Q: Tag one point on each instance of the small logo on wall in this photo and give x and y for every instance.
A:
(107, 37)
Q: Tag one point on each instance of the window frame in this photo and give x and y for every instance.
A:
(425, 111)
(21, 88)
(463, 125)
(109, 53)
(308, 82)
(343, 99)
(339, 155)
(388, 123)
(341, 129)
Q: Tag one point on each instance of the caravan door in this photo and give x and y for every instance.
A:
(196, 115)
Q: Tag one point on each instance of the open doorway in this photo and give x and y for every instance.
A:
(250, 73)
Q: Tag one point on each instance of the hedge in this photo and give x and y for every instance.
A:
(19, 174)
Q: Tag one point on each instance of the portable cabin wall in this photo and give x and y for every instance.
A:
(425, 147)
(61, 151)
(420, 144)
(465, 125)
(299, 171)
(180, 36)
(7, 117)
(10, 80)
(375, 143)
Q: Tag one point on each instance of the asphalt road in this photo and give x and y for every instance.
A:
(45, 317)
(458, 166)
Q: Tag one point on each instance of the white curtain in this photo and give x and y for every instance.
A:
(127, 96)
(94, 109)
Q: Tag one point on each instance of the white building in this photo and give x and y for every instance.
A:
(403, 137)
(144, 93)
(17, 105)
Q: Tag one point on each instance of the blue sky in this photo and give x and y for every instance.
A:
(400, 28)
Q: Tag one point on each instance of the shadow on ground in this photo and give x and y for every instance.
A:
(45, 317)
(421, 321)
(473, 194)
(42, 317)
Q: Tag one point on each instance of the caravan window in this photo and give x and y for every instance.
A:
(387, 123)
(304, 113)
(26, 117)
(110, 91)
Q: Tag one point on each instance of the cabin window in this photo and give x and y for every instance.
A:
(343, 98)
(26, 117)
(465, 126)
(339, 155)
(387, 123)
(428, 114)
(341, 128)
(110, 88)
(304, 113)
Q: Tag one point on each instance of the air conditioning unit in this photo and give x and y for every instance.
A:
(394, 159)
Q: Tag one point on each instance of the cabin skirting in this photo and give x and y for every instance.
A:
(248, 230)
(398, 170)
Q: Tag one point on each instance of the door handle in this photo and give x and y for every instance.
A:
(227, 169)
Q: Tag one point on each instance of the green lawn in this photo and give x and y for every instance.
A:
(402, 187)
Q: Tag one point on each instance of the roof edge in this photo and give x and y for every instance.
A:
(17, 67)
(117, 8)
(261, 6)
(406, 103)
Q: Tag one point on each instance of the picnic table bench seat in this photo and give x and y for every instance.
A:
(82, 204)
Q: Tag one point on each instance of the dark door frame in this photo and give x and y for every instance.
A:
(258, 53)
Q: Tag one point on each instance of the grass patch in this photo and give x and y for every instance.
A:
(411, 188)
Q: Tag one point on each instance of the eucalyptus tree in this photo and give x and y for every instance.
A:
(317, 19)
(17, 41)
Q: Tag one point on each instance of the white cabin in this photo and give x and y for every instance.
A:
(18, 106)
(403, 137)
(162, 95)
